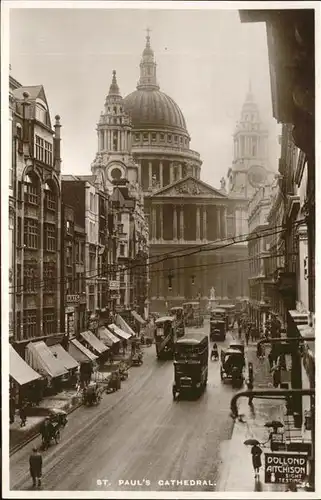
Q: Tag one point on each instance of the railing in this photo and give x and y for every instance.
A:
(166, 149)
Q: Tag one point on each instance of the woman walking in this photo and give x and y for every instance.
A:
(256, 459)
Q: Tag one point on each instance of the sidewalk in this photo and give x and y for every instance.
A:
(67, 400)
(20, 436)
(237, 471)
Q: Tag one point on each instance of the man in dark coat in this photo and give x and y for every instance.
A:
(35, 466)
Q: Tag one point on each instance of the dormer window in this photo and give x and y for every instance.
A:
(41, 113)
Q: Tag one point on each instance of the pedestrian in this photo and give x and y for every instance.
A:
(250, 382)
(35, 467)
(23, 415)
(247, 336)
(256, 459)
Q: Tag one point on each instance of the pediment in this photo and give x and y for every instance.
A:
(189, 187)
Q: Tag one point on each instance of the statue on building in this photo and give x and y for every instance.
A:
(223, 183)
(212, 293)
(155, 183)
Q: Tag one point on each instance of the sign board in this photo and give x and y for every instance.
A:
(114, 285)
(73, 299)
(285, 467)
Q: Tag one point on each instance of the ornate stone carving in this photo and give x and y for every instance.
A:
(223, 183)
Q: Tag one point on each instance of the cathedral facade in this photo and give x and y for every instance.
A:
(197, 233)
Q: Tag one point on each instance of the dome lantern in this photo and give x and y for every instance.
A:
(148, 68)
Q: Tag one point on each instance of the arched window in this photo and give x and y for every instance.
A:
(115, 110)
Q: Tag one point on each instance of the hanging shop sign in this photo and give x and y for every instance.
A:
(285, 467)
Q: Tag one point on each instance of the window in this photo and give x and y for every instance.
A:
(49, 274)
(91, 290)
(41, 113)
(91, 202)
(50, 237)
(69, 256)
(169, 138)
(31, 233)
(145, 136)
(31, 194)
(19, 243)
(137, 137)
(30, 323)
(119, 217)
(29, 278)
(175, 138)
(122, 250)
(181, 140)
(92, 261)
(49, 321)
(115, 110)
(69, 227)
(162, 137)
(50, 200)
(19, 283)
(43, 150)
(82, 252)
(153, 136)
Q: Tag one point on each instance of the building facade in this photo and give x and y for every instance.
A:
(259, 255)
(186, 214)
(35, 217)
(86, 252)
(115, 171)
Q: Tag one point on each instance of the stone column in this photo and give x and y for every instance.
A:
(223, 222)
(171, 173)
(161, 222)
(180, 171)
(161, 180)
(106, 143)
(118, 141)
(150, 174)
(140, 172)
(154, 223)
(204, 223)
(198, 223)
(218, 223)
(181, 222)
(175, 223)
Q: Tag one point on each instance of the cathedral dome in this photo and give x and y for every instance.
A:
(151, 108)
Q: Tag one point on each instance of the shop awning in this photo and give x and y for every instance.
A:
(107, 337)
(64, 357)
(94, 342)
(138, 318)
(20, 371)
(39, 356)
(121, 323)
(119, 332)
(80, 352)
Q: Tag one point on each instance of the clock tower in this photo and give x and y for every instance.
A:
(250, 169)
(114, 160)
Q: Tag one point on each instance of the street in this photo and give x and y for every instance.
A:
(138, 437)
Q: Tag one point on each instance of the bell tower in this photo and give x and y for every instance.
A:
(114, 160)
(250, 163)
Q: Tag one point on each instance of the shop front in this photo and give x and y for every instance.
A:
(25, 382)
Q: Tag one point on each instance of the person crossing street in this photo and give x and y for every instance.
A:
(35, 467)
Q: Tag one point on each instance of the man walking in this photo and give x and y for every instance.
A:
(35, 465)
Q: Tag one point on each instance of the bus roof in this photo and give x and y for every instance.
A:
(176, 308)
(192, 339)
(163, 319)
(218, 309)
(192, 303)
(227, 306)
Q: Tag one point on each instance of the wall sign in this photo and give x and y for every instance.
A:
(285, 467)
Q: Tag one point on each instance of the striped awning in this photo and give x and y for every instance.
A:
(118, 331)
(138, 317)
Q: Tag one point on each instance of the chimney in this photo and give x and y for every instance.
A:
(57, 140)
(25, 104)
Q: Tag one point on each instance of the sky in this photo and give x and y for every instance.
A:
(205, 59)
